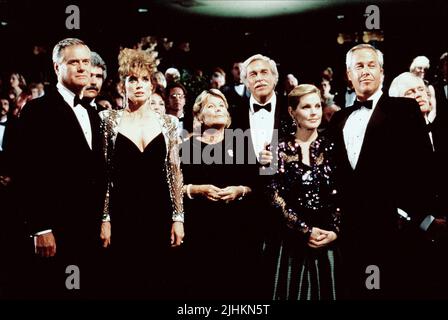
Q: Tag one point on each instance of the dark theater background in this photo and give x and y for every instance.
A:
(302, 36)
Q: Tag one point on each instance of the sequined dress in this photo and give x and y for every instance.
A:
(306, 197)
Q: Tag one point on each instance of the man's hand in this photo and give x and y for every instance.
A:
(45, 245)
(105, 234)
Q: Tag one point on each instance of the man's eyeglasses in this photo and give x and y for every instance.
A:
(177, 95)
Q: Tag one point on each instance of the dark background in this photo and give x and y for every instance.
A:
(302, 43)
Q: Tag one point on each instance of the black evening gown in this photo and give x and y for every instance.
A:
(141, 219)
(220, 245)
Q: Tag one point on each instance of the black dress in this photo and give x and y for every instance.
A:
(141, 218)
(219, 244)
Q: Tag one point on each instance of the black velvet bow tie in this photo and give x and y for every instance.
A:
(82, 102)
(367, 104)
(257, 107)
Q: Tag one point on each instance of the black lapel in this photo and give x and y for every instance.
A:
(95, 127)
(69, 119)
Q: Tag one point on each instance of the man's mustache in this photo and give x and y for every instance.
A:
(92, 88)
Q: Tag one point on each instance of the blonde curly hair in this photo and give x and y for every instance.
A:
(136, 60)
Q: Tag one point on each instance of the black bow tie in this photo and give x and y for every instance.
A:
(367, 104)
(257, 107)
(3, 123)
(82, 102)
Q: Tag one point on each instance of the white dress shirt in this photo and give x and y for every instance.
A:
(2, 131)
(350, 98)
(445, 87)
(261, 124)
(355, 129)
(239, 88)
(80, 112)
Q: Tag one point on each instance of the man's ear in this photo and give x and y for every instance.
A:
(56, 68)
(348, 76)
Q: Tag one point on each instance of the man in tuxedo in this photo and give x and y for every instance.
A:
(258, 118)
(261, 113)
(436, 263)
(381, 145)
(98, 74)
(61, 180)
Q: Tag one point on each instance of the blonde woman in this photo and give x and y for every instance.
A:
(303, 190)
(221, 246)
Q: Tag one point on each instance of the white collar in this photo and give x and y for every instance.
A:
(68, 95)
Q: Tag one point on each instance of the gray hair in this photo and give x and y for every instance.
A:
(61, 45)
(349, 56)
(245, 64)
(98, 62)
(420, 61)
(397, 88)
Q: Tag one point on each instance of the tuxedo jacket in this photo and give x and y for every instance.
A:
(61, 180)
(8, 145)
(391, 173)
(269, 220)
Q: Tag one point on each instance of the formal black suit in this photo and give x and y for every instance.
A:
(266, 221)
(233, 98)
(62, 182)
(390, 174)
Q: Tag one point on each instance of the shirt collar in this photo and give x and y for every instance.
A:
(68, 95)
(272, 101)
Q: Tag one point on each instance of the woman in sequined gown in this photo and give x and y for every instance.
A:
(143, 211)
(303, 190)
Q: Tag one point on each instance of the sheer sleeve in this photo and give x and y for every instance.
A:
(277, 189)
(174, 173)
(109, 126)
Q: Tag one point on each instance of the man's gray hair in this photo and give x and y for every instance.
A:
(245, 64)
(98, 62)
(397, 87)
(349, 56)
(61, 45)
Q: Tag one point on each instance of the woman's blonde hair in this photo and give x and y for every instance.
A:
(298, 92)
(199, 104)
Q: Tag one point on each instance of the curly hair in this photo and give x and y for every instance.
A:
(136, 60)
